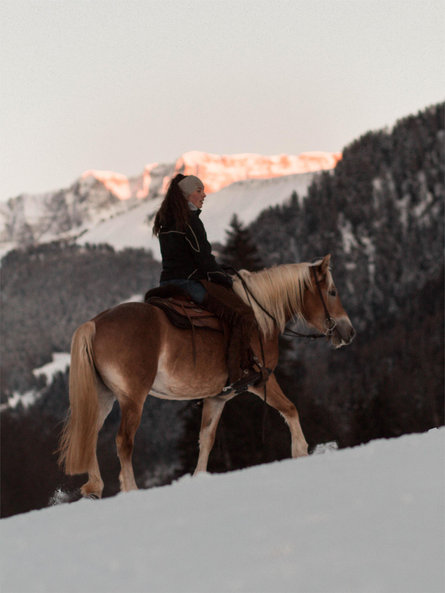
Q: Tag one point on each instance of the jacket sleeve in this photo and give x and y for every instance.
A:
(172, 242)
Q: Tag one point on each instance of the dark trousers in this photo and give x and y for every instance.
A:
(230, 308)
(195, 289)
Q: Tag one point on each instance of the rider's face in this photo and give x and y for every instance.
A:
(197, 197)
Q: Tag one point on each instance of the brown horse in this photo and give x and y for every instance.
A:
(132, 350)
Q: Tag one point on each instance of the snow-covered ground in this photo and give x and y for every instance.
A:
(365, 520)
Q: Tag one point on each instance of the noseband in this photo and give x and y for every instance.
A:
(329, 322)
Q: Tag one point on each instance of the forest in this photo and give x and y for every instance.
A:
(379, 213)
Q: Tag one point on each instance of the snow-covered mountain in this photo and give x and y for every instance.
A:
(245, 198)
(218, 171)
(365, 519)
(88, 206)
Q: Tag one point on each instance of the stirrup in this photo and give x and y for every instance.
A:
(251, 379)
(244, 383)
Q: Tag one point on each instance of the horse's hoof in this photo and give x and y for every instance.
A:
(92, 496)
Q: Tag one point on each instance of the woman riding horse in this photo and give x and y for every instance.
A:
(132, 350)
(188, 263)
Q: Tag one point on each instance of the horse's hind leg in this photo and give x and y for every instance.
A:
(211, 413)
(131, 413)
(276, 399)
(94, 487)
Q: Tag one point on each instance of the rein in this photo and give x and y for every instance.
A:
(249, 294)
(330, 322)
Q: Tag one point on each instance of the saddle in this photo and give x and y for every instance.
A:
(181, 311)
(227, 314)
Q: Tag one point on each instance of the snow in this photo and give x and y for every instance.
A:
(245, 198)
(135, 298)
(26, 399)
(348, 237)
(59, 363)
(364, 520)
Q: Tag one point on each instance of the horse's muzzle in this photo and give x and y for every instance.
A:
(343, 333)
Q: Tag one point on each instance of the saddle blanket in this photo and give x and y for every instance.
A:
(183, 312)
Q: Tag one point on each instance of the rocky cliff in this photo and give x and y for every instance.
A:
(100, 195)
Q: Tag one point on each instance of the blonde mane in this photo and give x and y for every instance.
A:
(280, 290)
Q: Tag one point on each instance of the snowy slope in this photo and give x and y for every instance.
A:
(363, 520)
(245, 198)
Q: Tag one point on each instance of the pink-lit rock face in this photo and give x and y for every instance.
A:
(216, 171)
(147, 176)
(116, 183)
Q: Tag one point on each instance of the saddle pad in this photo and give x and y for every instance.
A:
(185, 314)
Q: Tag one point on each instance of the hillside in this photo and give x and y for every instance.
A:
(380, 214)
(364, 519)
(50, 289)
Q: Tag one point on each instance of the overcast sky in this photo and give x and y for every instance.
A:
(117, 84)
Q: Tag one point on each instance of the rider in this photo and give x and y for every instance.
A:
(187, 260)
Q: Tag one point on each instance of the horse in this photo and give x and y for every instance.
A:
(132, 350)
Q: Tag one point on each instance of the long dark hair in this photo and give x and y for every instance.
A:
(174, 210)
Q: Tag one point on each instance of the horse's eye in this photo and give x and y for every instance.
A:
(332, 292)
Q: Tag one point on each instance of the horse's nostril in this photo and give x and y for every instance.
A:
(352, 334)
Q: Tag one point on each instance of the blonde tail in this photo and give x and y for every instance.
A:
(79, 435)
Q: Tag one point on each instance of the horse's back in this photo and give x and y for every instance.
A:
(128, 321)
(126, 311)
(134, 341)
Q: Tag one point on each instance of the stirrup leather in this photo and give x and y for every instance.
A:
(251, 379)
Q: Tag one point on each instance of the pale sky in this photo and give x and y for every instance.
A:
(118, 84)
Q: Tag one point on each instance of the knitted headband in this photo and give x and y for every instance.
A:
(190, 184)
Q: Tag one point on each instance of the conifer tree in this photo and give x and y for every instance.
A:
(240, 251)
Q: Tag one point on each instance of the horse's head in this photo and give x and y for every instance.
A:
(323, 308)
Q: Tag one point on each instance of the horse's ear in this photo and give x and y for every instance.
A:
(324, 266)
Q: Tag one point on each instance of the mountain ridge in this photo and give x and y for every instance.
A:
(99, 195)
(218, 171)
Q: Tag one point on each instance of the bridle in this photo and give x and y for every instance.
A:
(329, 322)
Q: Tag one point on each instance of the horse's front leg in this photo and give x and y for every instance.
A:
(276, 399)
(211, 413)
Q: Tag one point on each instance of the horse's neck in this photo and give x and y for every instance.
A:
(265, 299)
(288, 282)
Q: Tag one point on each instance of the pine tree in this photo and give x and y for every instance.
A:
(240, 251)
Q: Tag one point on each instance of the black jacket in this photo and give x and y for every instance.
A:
(188, 254)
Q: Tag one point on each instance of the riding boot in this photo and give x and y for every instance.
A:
(244, 369)
(251, 377)
(239, 355)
